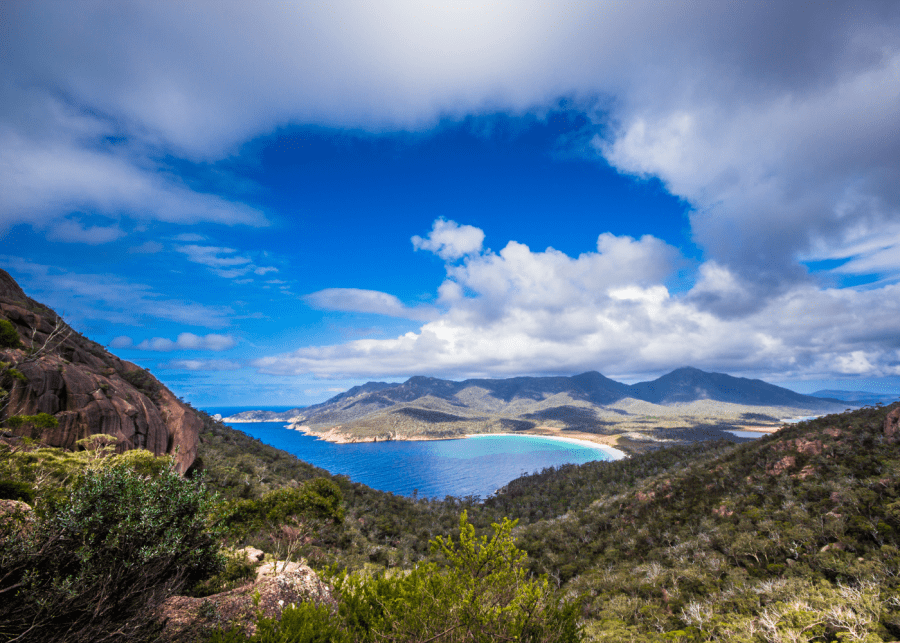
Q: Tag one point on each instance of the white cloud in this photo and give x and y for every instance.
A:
(121, 342)
(210, 256)
(777, 123)
(202, 365)
(43, 180)
(109, 298)
(223, 261)
(521, 311)
(367, 301)
(450, 241)
(73, 232)
(188, 341)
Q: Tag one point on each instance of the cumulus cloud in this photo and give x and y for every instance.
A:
(366, 301)
(777, 124)
(521, 311)
(449, 240)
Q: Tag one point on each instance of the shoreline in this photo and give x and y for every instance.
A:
(335, 436)
(616, 454)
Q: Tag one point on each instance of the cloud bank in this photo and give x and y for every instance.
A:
(521, 311)
(779, 125)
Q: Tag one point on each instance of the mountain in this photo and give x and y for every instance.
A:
(47, 367)
(692, 384)
(683, 406)
(863, 398)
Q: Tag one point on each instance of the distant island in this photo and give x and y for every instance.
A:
(683, 406)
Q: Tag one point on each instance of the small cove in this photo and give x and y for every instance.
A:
(434, 468)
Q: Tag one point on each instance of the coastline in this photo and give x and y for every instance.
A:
(602, 443)
(615, 453)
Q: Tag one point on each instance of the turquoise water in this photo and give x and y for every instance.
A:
(468, 467)
(746, 434)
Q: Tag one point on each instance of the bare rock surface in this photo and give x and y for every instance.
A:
(87, 389)
(189, 619)
(892, 425)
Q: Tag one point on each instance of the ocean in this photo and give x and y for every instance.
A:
(433, 469)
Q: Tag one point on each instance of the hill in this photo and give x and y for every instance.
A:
(793, 537)
(863, 398)
(683, 406)
(49, 368)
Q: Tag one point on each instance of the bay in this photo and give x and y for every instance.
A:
(475, 466)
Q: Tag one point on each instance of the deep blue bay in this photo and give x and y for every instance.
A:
(475, 466)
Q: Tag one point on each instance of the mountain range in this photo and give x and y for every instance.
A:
(670, 408)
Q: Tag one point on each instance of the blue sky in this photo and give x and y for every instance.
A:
(268, 204)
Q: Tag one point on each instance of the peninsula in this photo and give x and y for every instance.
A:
(686, 405)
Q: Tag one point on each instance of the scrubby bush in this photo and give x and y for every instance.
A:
(16, 490)
(39, 421)
(317, 499)
(483, 594)
(94, 566)
(9, 338)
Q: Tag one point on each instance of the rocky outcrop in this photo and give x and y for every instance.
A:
(892, 425)
(87, 389)
(277, 586)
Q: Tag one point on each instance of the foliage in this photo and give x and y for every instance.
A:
(93, 566)
(793, 537)
(39, 421)
(16, 490)
(9, 337)
(144, 382)
(482, 595)
(236, 571)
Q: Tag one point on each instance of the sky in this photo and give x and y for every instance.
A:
(269, 203)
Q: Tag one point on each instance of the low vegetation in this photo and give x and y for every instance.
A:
(793, 537)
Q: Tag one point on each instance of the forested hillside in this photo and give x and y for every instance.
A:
(793, 537)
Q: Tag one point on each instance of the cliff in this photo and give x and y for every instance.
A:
(87, 389)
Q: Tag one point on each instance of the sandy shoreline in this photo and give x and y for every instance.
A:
(602, 442)
(595, 444)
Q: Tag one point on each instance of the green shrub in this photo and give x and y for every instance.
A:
(317, 499)
(483, 595)
(303, 623)
(9, 337)
(14, 490)
(96, 565)
(39, 421)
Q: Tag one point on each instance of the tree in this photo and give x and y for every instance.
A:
(484, 594)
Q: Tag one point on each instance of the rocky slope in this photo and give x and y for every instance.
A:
(87, 389)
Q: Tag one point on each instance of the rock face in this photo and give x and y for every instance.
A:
(892, 425)
(87, 389)
(277, 585)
